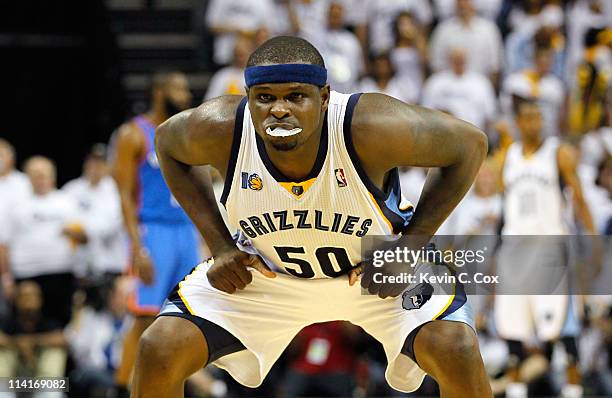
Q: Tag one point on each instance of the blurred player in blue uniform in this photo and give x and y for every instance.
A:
(163, 240)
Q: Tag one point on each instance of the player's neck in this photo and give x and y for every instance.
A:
(532, 146)
(298, 163)
(156, 116)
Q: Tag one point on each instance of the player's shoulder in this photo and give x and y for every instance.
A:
(219, 110)
(378, 121)
(376, 112)
(217, 115)
(129, 133)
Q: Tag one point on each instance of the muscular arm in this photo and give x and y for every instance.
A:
(130, 149)
(566, 159)
(199, 137)
(388, 133)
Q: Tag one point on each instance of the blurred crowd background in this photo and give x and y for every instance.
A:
(77, 71)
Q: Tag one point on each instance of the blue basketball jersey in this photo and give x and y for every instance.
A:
(156, 202)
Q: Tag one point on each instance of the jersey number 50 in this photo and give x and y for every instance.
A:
(303, 269)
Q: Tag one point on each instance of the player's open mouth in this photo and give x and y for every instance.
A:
(282, 132)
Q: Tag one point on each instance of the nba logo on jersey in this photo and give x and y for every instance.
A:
(252, 181)
(340, 178)
(417, 297)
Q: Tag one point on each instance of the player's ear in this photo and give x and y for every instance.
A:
(325, 93)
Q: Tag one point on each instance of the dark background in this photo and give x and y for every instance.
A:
(61, 80)
(72, 71)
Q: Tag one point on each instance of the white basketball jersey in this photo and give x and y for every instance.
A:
(311, 228)
(533, 200)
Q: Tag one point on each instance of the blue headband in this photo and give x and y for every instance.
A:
(286, 73)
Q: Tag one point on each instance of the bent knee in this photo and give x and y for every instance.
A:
(154, 352)
(171, 346)
(447, 343)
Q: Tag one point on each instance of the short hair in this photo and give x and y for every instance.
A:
(518, 102)
(286, 50)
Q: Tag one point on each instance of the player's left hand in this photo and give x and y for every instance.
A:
(383, 290)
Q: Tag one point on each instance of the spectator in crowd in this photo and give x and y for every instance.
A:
(466, 94)
(96, 194)
(95, 339)
(488, 9)
(530, 15)
(355, 14)
(307, 18)
(41, 235)
(14, 185)
(409, 55)
(30, 343)
(539, 83)
(479, 36)
(604, 180)
(583, 15)
(325, 361)
(230, 79)
(593, 81)
(384, 80)
(521, 47)
(479, 213)
(377, 34)
(341, 50)
(229, 18)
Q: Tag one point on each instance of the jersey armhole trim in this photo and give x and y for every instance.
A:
(141, 122)
(388, 199)
(350, 148)
(236, 140)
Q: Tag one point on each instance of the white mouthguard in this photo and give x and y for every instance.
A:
(281, 132)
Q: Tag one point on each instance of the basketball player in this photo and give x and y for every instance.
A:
(163, 243)
(309, 173)
(534, 206)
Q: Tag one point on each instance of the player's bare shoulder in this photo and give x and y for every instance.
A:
(388, 133)
(129, 132)
(201, 135)
(379, 124)
(214, 119)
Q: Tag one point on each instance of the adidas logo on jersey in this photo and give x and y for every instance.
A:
(340, 177)
(251, 181)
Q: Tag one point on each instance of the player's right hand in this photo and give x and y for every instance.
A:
(229, 271)
(143, 265)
